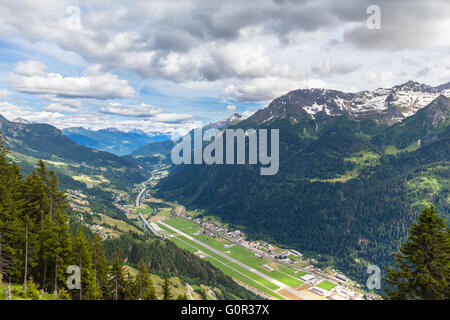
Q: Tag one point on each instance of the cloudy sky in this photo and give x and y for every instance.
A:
(160, 65)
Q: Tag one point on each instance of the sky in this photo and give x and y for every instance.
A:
(164, 65)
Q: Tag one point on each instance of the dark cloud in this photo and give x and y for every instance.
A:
(183, 40)
(405, 25)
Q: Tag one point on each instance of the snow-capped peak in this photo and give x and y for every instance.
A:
(384, 104)
(21, 120)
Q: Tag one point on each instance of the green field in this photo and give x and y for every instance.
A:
(229, 268)
(393, 150)
(187, 226)
(281, 273)
(284, 274)
(326, 285)
(145, 210)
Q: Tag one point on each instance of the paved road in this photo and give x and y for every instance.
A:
(258, 273)
(144, 189)
(149, 227)
(138, 203)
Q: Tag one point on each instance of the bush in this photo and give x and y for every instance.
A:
(64, 295)
(32, 290)
(18, 292)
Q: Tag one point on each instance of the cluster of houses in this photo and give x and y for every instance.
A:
(336, 293)
(77, 193)
(260, 247)
(158, 176)
(289, 256)
(75, 198)
(122, 207)
(99, 229)
(344, 293)
(159, 172)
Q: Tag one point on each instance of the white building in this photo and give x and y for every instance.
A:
(307, 277)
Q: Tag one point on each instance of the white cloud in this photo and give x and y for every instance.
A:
(266, 89)
(30, 68)
(5, 94)
(439, 70)
(167, 123)
(231, 107)
(93, 84)
(66, 101)
(11, 112)
(57, 107)
(143, 110)
(382, 79)
(326, 67)
(172, 118)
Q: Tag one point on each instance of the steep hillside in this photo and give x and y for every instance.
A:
(348, 186)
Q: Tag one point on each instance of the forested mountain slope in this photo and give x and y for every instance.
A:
(348, 186)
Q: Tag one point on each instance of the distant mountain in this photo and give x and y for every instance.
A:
(113, 140)
(384, 105)
(164, 147)
(21, 120)
(219, 125)
(78, 167)
(349, 185)
(3, 119)
(159, 152)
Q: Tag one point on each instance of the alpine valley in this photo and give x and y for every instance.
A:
(356, 169)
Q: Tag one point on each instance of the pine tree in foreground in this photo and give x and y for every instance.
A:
(167, 292)
(422, 266)
(144, 285)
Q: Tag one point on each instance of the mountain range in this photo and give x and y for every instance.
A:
(355, 171)
(387, 105)
(113, 140)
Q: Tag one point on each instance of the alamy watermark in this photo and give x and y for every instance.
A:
(374, 281)
(191, 150)
(374, 20)
(74, 280)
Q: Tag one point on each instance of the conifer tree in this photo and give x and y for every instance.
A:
(144, 284)
(100, 264)
(116, 277)
(422, 266)
(82, 254)
(10, 210)
(166, 290)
